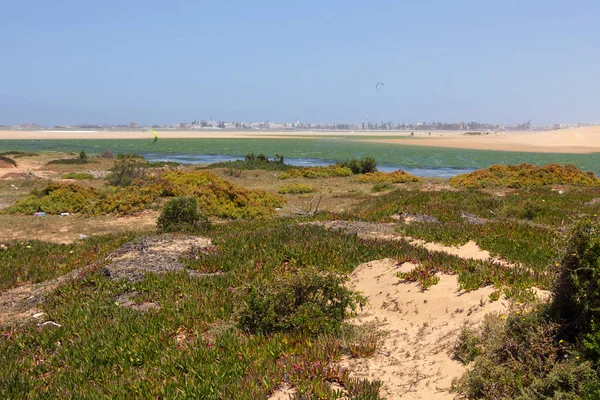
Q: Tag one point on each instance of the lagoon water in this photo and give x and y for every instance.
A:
(421, 161)
(437, 172)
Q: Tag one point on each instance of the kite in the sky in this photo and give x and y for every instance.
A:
(155, 136)
(378, 85)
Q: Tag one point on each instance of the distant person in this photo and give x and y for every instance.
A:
(429, 133)
(412, 134)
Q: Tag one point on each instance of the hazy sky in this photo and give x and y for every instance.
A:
(69, 62)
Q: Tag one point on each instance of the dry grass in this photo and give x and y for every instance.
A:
(67, 229)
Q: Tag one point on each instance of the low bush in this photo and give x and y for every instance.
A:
(126, 169)
(381, 187)
(107, 154)
(233, 172)
(519, 356)
(78, 175)
(363, 166)
(523, 175)
(308, 300)
(296, 188)
(181, 214)
(58, 198)
(330, 171)
(388, 177)
(252, 162)
(577, 291)
(546, 350)
(8, 160)
(215, 196)
(72, 161)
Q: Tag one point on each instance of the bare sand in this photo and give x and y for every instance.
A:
(576, 140)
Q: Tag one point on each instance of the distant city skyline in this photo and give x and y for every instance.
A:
(157, 62)
(198, 124)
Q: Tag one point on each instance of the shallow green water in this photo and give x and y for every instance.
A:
(317, 148)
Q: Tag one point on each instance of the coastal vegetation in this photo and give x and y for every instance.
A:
(245, 293)
(525, 175)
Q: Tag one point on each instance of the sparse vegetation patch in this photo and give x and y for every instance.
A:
(388, 177)
(296, 188)
(330, 171)
(77, 175)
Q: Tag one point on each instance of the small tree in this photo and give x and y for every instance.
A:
(181, 214)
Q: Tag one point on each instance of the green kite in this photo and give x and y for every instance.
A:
(155, 136)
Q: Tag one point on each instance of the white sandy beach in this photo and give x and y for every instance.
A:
(576, 140)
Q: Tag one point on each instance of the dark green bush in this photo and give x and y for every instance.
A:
(365, 165)
(307, 299)
(577, 292)
(368, 164)
(181, 214)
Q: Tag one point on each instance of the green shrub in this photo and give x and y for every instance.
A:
(577, 291)
(296, 188)
(365, 165)
(83, 155)
(215, 196)
(308, 300)
(126, 169)
(520, 357)
(218, 197)
(330, 171)
(181, 214)
(252, 162)
(78, 175)
(524, 175)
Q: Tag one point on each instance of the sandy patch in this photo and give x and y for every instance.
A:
(285, 392)
(415, 361)
(27, 167)
(575, 141)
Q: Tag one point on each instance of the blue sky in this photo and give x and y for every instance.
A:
(69, 62)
